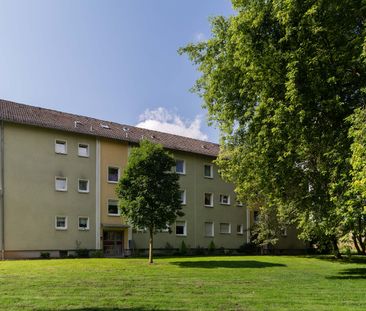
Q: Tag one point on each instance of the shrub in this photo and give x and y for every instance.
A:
(183, 248)
(96, 254)
(45, 255)
(211, 247)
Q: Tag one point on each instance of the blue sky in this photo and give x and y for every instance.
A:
(114, 60)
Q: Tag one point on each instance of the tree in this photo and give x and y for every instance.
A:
(354, 210)
(148, 190)
(280, 78)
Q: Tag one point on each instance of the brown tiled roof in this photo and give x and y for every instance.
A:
(52, 119)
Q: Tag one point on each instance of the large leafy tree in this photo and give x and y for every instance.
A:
(354, 211)
(280, 77)
(149, 190)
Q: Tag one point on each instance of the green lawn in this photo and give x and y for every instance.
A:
(199, 283)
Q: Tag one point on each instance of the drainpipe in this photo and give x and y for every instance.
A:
(2, 221)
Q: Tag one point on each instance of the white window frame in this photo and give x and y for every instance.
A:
(119, 174)
(212, 199)
(60, 228)
(225, 223)
(211, 171)
(184, 201)
(88, 223)
(60, 141)
(184, 167)
(118, 211)
(166, 230)
(239, 203)
(88, 188)
(60, 190)
(222, 199)
(87, 150)
(284, 231)
(213, 229)
(184, 228)
(241, 231)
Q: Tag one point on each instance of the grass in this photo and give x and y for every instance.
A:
(199, 283)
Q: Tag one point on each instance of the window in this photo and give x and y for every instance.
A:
(60, 147)
(180, 228)
(113, 209)
(83, 223)
(180, 167)
(83, 185)
(240, 229)
(83, 150)
(239, 203)
(225, 228)
(208, 171)
(209, 229)
(166, 229)
(224, 199)
(61, 222)
(209, 199)
(113, 174)
(256, 216)
(61, 183)
(284, 231)
(182, 197)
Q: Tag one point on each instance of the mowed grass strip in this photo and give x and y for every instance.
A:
(197, 283)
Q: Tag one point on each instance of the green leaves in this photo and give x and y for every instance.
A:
(280, 78)
(149, 189)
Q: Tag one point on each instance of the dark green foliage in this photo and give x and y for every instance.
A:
(280, 78)
(45, 255)
(149, 189)
(183, 248)
(211, 247)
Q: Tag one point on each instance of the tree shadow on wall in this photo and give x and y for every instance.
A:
(350, 274)
(226, 264)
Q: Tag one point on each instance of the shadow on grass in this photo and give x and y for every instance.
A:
(355, 259)
(106, 309)
(211, 264)
(350, 274)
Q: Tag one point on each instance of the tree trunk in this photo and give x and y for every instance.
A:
(151, 243)
(355, 243)
(336, 251)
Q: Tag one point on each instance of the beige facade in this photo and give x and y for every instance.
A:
(58, 178)
(31, 201)
(115, 233)
(225, 219)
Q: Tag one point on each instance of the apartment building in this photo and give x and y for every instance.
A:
(57, 187)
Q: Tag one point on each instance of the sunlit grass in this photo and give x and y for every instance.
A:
(199, 283)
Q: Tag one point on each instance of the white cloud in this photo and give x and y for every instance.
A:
(162, 120)
(200, 36)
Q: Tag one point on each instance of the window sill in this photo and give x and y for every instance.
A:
(84, 229)
(226, 204)
(60, 190)
(210, 206)
(61, 229)
(112, 182)
(183, 235)
(114, 215)
(80, 191)
(82, 156)
(208, 177)
(61, 153)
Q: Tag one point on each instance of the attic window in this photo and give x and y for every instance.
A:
(204, 147)
(105, 126)
(126, 129)
(154, 137)
(76, 123)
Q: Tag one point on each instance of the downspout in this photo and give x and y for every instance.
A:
(2, 221)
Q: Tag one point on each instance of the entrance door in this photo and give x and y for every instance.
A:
(113, 243)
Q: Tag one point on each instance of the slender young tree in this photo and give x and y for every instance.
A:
(280, 77)
(148, 190)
